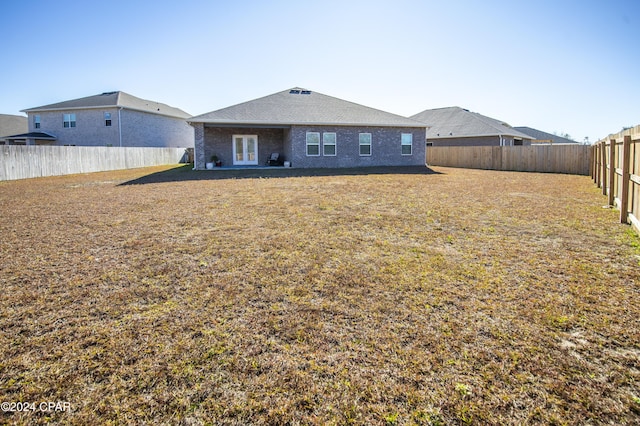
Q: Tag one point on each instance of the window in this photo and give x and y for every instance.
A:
(36, 121)
(365, 143)
(69, 120)
(329, 144)
(313, 143)
(107, 119)
(406, 140)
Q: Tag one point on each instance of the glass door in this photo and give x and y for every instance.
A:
(245, 150)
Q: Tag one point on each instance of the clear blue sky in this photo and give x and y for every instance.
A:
(565, 66)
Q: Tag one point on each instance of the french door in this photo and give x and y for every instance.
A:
(245, 149)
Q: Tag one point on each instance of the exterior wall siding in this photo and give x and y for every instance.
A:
(139, 129)
(386, 148)
(152, 130)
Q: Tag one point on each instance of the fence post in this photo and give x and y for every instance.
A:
(598, 148)
(626, 177)
(594, 164)
(603, 150)
(612, 172)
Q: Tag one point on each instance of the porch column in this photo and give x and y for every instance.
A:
(199, 157)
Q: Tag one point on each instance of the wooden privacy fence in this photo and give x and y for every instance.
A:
(571, 159)
(28, 161)
(616, 169)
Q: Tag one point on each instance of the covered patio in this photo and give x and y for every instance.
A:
(31, 138)
(245, 147)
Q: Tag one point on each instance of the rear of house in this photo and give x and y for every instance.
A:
(308, 130)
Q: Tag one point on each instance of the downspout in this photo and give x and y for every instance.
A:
(120, 126)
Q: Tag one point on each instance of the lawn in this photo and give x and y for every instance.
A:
(168, 296)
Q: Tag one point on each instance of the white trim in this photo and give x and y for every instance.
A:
(360, 145)
(307, 144)
(334, 144)
(402, 144)
(245, 139)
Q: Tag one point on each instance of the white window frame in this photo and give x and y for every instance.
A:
(333, 143)
(361, 144)
(36, 121)
(317, 134)
(107, 119)
(68, 120)
(404, 143)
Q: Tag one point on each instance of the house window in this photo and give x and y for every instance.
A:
(36, 121)
(329, 144)
(365, 143)
(313, 143)
(107, 119)
(69, 120)
(406, 140)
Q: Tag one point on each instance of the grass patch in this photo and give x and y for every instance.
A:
(466, 297)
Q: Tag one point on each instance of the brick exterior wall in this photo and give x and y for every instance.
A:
(139, 129)
(199, 156)
(291, 144)
(385, 147)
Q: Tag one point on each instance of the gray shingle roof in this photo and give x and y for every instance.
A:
(539, 134)
(299, 106)
(34, 135)
(12, 124)
(114, 99)
(454, 122)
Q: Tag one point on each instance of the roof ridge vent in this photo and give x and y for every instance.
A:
(108, 93)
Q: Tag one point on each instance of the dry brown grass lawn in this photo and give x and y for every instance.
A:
(465, 297)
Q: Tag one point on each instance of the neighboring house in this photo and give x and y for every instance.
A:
(11, 125)
(108, 119)
(307, 129)
(544, 137)
(455, 126)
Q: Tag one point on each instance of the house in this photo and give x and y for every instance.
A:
(307, 129)
(11, 125)
(544, 137)
(107, 119)
(455, 126)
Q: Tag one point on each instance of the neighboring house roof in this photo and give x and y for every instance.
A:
(456, 122)
(114, 99)
(539, 134)
(34, 135)
(299, 106)
(12, 124)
